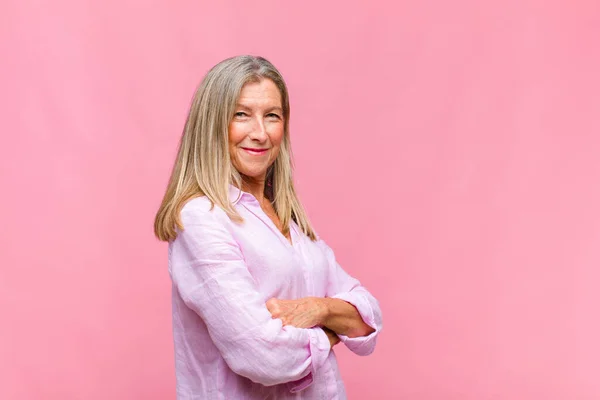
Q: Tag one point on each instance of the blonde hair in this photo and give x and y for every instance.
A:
(203, 166)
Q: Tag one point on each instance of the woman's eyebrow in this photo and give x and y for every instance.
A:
(240, 105)
(275, 109)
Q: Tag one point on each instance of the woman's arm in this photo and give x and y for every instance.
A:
(349, 309)
(344, 319)
(209, 272)
(344, 287)
(337, 315)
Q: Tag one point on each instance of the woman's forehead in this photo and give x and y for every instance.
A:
(259, 96)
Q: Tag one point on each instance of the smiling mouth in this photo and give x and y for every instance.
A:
(255, 151)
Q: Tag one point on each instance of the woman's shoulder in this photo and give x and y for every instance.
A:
(197, 204)
(201, 208)
(321, 244)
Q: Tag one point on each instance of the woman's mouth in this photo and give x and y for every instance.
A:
(255, 152)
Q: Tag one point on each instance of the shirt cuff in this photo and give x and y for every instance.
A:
(319, 351)
(362, 345)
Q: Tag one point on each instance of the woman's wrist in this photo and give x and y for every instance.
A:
(325, 306)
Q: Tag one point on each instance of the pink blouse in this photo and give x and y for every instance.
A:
(227, 345)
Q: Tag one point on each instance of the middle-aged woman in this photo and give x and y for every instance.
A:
(258, 298)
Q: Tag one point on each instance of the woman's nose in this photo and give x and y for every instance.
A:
(259, 131)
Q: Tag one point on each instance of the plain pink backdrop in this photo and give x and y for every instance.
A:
(448, 151)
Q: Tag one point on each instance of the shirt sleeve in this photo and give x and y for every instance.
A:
(343, 286)
(210, 274)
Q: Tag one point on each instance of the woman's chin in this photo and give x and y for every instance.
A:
(254, 174)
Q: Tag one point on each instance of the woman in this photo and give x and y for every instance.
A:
(258, 299)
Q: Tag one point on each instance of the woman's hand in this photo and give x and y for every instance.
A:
(306, 312)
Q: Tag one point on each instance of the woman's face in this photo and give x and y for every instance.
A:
(256, 130)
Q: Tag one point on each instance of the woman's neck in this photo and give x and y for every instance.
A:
(254, 186)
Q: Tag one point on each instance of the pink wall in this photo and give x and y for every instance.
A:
(448, 151)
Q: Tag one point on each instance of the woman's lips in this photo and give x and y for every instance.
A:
(255, 152)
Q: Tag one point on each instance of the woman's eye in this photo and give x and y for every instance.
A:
(273, 115)
(240, 114)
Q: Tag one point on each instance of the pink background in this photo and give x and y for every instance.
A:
(448, 151)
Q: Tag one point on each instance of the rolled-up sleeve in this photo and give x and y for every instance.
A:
(210, 274)
(343, 286)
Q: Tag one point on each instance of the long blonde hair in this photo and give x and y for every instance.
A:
(203, 166)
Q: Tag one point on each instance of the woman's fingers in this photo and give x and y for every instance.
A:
(274, 307)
